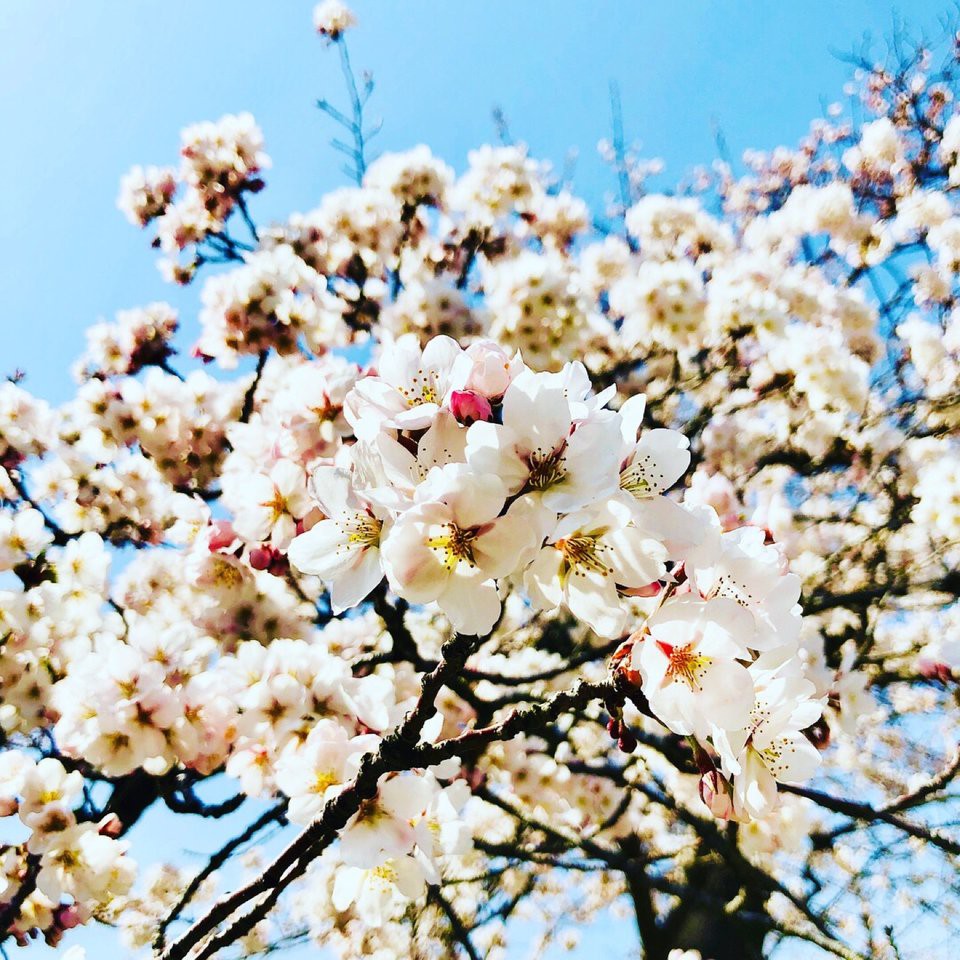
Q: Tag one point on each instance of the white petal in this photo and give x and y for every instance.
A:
(346, 886)
(513, 540)
(631, 417)
(356, 583)
(324, 550)
(414, 570)
(542, 579)
(471, 604)
(593, 598)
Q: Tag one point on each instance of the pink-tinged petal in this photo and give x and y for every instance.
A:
(469, 407)
(414, 570)
(513, 540)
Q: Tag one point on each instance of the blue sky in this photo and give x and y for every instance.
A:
(88, 89)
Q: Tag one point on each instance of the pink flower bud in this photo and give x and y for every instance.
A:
(493, 369)
(71, 916)
(469, 407)
(819, 734)
(260, 558)
(222, 536)
(934, 670)
(8, 806)
(110, 826)
(717, 793)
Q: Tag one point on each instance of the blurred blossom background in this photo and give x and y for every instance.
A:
(89, 89)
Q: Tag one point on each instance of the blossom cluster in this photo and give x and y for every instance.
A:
(79, 866)
(589, 456)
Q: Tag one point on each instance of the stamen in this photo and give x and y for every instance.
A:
(684, 665)
(454, 545)
(363, 529)
(583, 553)
(546, 468)
(421, 389)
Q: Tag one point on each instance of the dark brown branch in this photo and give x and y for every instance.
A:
(11, 910)
(399, 750)
(867, 814)
(248, 398)
(275, 813)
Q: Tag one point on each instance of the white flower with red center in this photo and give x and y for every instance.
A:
(313, 773)
(587, 557)
(408, 389)
(540, 448)
(344, 549)
(267, 506)
(453, 544)
(689, 658)
(772, 747)
(86, 865)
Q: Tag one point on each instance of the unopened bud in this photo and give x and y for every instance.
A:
(717, 793)
(819, 734)
(110, 826)
(221, 535)
(935, 670)
(69, 917)
(469, 407)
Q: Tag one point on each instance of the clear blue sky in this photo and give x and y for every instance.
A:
(89, 88)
